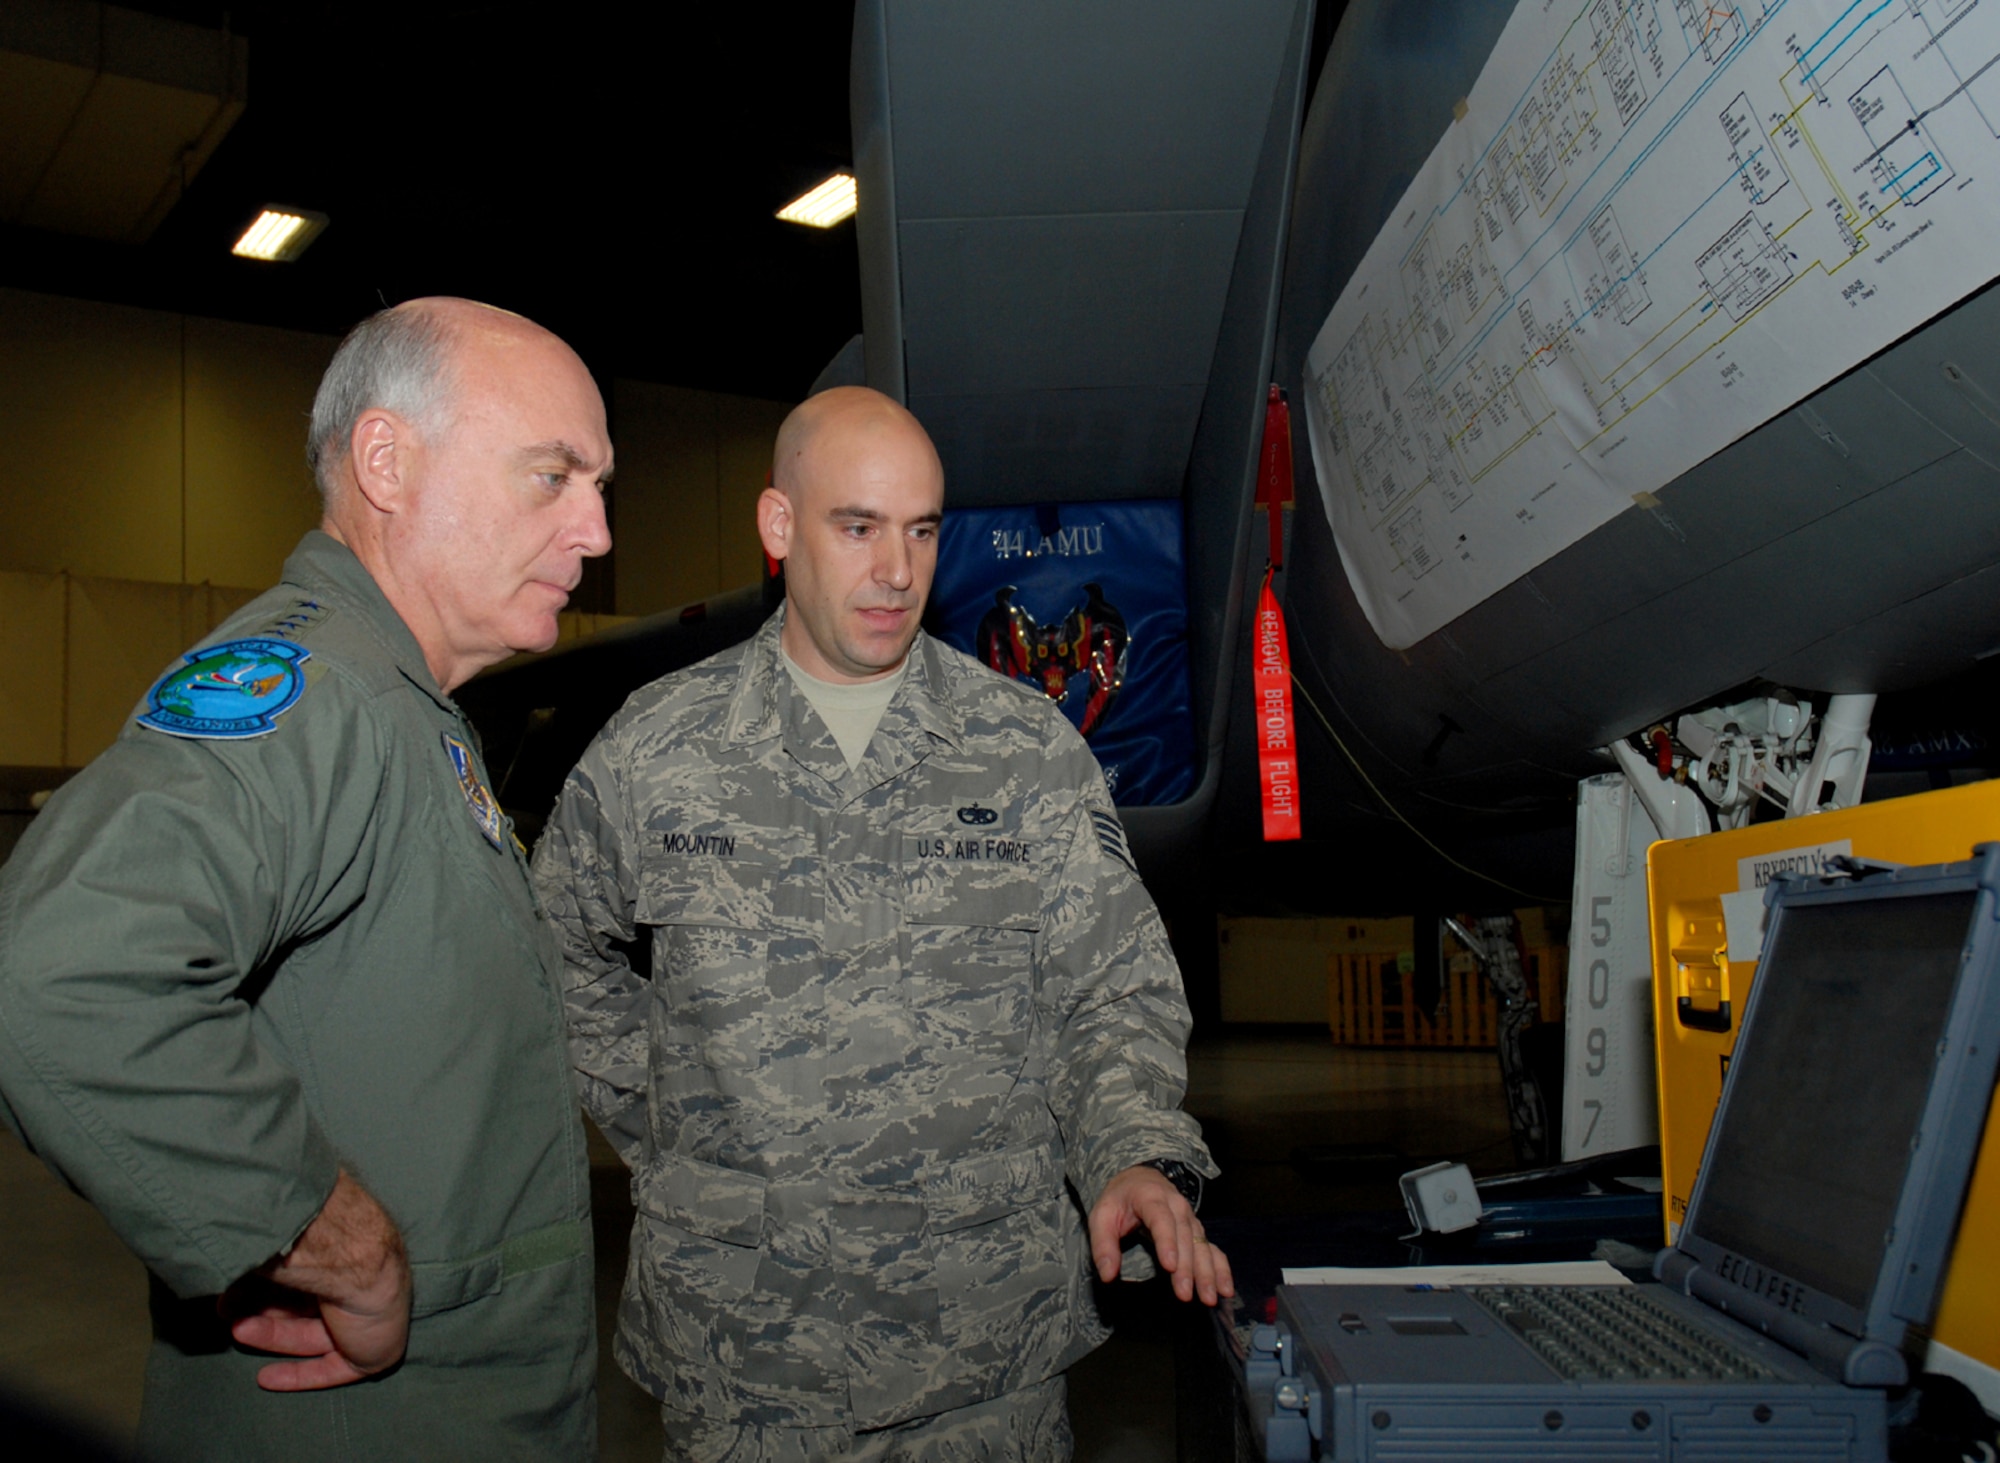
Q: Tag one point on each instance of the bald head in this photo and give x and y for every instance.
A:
(401, 360)
(853, 511)
(462, 453)
(841, 425)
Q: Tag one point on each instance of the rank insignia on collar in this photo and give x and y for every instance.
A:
(229, 691)
(485, 811)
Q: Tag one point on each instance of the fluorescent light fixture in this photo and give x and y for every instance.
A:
(280, 234)
(824, 206)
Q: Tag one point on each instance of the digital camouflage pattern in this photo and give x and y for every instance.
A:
(890, 1010)
(1028, 1426)
(316, 959)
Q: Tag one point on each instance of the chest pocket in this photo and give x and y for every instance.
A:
(725, 926)
(968, 947)
(990, 884)
(734, 892)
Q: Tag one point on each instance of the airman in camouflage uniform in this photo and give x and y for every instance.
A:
(891, 1021)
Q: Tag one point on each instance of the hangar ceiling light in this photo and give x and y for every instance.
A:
(823, 206)
(280, 234)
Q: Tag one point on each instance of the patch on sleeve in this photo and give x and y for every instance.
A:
(229, 691)
(1111, 837)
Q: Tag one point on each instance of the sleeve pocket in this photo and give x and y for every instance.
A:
(704, 1198)
(990, 1186)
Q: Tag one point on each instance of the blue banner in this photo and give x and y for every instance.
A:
(1087, 602)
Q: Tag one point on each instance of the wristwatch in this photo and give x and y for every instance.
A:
(1181, 1177)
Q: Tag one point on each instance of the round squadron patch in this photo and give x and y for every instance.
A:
(236, 689)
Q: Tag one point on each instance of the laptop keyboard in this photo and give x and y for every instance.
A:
(1615, 1333)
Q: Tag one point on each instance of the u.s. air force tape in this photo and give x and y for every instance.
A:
(1111, 837)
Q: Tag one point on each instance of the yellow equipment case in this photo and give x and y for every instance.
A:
(1698, 995)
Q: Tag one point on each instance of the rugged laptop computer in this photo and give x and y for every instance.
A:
(1811, 1256)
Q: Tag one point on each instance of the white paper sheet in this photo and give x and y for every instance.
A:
(1549, 1272)
(1658, 224)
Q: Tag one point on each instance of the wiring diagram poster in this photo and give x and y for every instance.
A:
(1655, 225)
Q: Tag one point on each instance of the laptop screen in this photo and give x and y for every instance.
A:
(1808, 1160)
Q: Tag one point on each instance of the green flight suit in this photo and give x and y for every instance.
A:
(230, 964)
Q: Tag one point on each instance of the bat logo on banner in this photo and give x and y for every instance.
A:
(1090, 642)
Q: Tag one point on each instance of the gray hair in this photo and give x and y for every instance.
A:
(398, 360)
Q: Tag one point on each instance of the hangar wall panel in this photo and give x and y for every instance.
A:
(746, 429)
(666, 496)
(249, 493)
(121, 634)
(90, 648)
(690, 467)
(1276, 970)
(90, 410)
(31, 638)
(152, 446)
(171, 449)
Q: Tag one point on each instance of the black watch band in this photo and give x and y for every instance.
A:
(1181, 1177)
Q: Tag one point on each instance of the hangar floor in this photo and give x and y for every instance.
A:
(1300, 1126)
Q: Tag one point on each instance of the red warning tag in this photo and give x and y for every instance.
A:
(1274, 475)
(1277, 749)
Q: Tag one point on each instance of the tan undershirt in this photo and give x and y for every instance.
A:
(851, 710)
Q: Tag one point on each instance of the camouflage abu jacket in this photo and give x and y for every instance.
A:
(881, 1016)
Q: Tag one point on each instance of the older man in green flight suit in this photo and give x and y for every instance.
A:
(275, 991)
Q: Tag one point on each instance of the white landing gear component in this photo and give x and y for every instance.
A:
(1770, 749)
(1673, 806)
(1839, 766)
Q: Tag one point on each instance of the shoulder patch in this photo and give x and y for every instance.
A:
(1111, 837)
(229, 691)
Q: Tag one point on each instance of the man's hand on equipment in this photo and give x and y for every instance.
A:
(1144, 1195)
(340, 1300)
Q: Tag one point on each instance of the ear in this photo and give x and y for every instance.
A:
(379, 454)
(775, 522)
